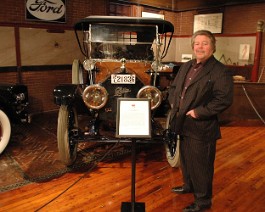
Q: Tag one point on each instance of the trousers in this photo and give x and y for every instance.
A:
(197, 166)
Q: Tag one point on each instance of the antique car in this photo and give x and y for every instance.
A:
(13, 104)
(122, 59)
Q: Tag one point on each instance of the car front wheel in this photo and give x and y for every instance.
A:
(66, 132)
(5, 130)
(172, 145)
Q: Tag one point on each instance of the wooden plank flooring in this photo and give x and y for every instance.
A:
(239, 182)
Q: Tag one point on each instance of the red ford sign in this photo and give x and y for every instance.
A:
(46, 10)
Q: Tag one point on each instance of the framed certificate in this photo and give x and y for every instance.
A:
(133, 118)
(212, 22)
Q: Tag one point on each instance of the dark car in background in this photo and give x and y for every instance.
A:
(122, 59)
(13, 105)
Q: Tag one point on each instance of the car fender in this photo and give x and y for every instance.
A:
(66, 94)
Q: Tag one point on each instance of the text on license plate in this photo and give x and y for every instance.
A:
(123, 79)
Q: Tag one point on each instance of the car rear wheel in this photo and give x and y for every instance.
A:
(5, 130)
(66, 132)
(172, 146)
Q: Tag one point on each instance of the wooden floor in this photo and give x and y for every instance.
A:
(239, 182)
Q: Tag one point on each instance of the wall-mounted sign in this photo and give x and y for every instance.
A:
(46, 10)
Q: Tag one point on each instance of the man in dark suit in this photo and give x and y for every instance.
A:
(202, 89)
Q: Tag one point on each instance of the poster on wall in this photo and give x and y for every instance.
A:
(46, 10)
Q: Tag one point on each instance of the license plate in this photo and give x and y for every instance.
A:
(123, 79)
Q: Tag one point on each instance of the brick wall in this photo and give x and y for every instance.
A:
(40, 88)
(8, 77)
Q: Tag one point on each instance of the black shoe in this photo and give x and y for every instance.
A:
(194, 207)
(180, 190)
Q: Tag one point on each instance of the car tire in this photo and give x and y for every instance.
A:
(172, 147)
(5, 131)
(67, 146)
(77, 72)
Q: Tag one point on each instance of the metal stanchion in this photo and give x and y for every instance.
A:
(133, 206)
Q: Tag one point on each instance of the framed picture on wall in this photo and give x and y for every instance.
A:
(212, 22)
(244, 50)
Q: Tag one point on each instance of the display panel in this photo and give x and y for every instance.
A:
(133, 118)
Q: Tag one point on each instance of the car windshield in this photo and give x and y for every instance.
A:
(110, 41)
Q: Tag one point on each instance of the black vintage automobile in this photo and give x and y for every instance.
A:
(13, 104)
(122, 59)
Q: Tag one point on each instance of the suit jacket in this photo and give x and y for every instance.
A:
(210, 93)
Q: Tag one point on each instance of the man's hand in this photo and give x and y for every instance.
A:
(192, 114)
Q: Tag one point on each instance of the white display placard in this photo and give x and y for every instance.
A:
(133, 118)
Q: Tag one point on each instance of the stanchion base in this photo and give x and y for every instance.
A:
(138, 207)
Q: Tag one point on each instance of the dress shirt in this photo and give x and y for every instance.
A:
(192, 73)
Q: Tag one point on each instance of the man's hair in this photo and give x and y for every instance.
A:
(206, 33)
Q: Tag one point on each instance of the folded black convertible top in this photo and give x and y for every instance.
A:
(163, 25)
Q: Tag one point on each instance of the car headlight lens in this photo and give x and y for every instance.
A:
(95, 96)
(152, 93)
